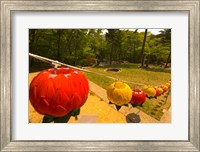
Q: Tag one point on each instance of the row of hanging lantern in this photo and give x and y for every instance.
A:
(153, 92)
(59, 93)
(119, 93)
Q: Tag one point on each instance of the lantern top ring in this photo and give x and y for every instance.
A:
(56, 64)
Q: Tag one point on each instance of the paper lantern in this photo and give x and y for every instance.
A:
(138, 97)
(119, 93)
(57, 92)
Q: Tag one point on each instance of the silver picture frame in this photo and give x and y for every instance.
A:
(9, 6)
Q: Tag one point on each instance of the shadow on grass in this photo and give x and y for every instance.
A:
(136, 66)
(158, 70)
(122, 65)
(133, 118)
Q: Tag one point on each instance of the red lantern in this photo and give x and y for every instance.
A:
(57, 92)
(164, 87)
(138, 96)
(157, 92)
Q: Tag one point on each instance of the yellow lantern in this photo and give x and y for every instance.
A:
(119, 93)
(160, 90)
(165, 88)
(151, 92)
(144, 88)
(168, 84)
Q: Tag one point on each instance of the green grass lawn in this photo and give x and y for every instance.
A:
(137, 77)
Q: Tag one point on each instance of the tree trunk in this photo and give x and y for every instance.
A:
(168, 60)
(147, 61)
(110, 58)
(68, 43)
(133, 55)
(135, 30)
(120, 56)
(143, 46)
(32, 42)
(111, 55)
(58, 45)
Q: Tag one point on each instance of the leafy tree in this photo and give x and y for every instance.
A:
(143, 46)
(167, 40)
(114, 45)
(91, 46)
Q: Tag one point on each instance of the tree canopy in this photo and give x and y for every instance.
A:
(86, 47)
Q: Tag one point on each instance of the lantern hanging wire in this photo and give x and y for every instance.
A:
(57, 63)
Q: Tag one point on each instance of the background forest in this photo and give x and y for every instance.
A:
(92, 47)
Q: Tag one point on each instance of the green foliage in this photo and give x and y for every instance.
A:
(89, 47)
(130, 72)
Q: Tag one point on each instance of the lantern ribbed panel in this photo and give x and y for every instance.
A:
(58, 94)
